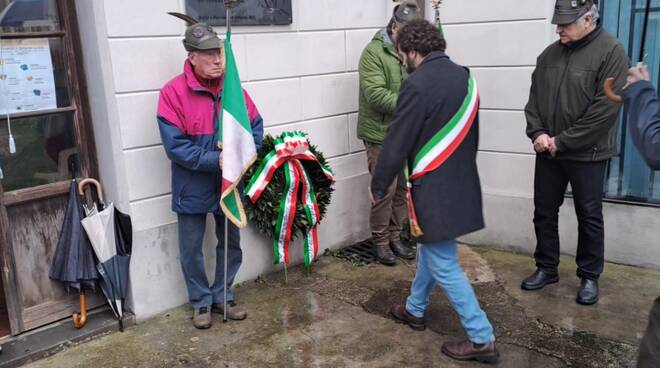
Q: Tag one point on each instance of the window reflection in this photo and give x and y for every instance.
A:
(45, 150)
(28, 16)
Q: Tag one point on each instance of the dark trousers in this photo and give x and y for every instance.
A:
(550, 182)
(649, 350)
(191, 239)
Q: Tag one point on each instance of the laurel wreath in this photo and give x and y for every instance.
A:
(263, 214)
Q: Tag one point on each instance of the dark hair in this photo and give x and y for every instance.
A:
(421, 36)
(389, 27)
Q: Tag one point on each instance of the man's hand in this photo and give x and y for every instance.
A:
(553, 147)
(637, 73)
(542, 143)
(374, 202)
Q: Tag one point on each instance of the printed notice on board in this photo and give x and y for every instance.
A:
(27, 82)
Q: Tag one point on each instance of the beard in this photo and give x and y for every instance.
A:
(410, 65)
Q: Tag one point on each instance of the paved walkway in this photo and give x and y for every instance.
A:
(337, 317)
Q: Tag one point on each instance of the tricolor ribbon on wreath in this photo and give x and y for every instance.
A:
(290, 149)
(440, 147)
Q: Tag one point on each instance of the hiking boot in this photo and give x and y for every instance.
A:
(384, 255)
(202, 318)
(401, 250)
(400, 313)
(234, 312)
(467, 350)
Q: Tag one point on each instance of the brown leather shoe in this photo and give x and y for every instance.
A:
(384, 255)
(234, 312)
(202, 318)
(466, 350)
(399, 312)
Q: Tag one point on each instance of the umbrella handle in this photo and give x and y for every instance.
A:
(607, 86)
(79, 320)
(83, 183)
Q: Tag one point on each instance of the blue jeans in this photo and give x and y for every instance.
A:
(191, 239)
(437, 263)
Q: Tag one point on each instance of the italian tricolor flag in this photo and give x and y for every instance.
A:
(235, 139)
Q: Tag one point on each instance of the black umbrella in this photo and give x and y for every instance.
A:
(74, 263)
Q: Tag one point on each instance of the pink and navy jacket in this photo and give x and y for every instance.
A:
(188, 118)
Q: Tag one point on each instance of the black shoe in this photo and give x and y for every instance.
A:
(385, 256)
(588, 293)
(401, 250)
(538, 280)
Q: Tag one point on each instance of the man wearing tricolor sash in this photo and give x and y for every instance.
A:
(189, 114)
(434, 137)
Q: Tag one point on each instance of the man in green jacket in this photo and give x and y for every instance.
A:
(381, 74)
(573, 128)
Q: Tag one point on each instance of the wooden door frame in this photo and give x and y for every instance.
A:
(10, 283)
(84, 135)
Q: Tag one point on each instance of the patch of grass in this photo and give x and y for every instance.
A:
(353, 259)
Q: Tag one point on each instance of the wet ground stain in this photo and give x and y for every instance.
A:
(513, 327)
(338, 316)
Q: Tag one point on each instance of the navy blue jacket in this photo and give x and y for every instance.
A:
(643, 107)
(188, 117)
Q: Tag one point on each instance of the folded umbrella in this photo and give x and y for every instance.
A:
(74, 263)
(109, 232)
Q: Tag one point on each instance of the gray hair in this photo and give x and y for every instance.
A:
(593, 12)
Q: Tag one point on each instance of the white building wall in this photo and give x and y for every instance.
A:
(304, 77)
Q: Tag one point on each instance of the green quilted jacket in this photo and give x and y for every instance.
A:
(381, 76)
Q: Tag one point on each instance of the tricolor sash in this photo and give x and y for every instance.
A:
(290, 149)
(440, 147)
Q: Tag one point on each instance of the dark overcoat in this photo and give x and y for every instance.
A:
(448, 200)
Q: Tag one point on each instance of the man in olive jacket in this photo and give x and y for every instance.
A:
(573, 128)
(435, 132)
(381, 75)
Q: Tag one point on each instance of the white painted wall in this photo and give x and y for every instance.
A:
(304, 77)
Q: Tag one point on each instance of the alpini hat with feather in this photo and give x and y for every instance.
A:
(199, 36)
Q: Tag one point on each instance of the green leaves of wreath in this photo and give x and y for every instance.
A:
(264, 213)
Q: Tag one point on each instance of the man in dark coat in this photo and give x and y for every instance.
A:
(434, 135)
(573, 128)
(643, 108)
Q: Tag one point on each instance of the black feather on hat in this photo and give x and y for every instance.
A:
(187, 18)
